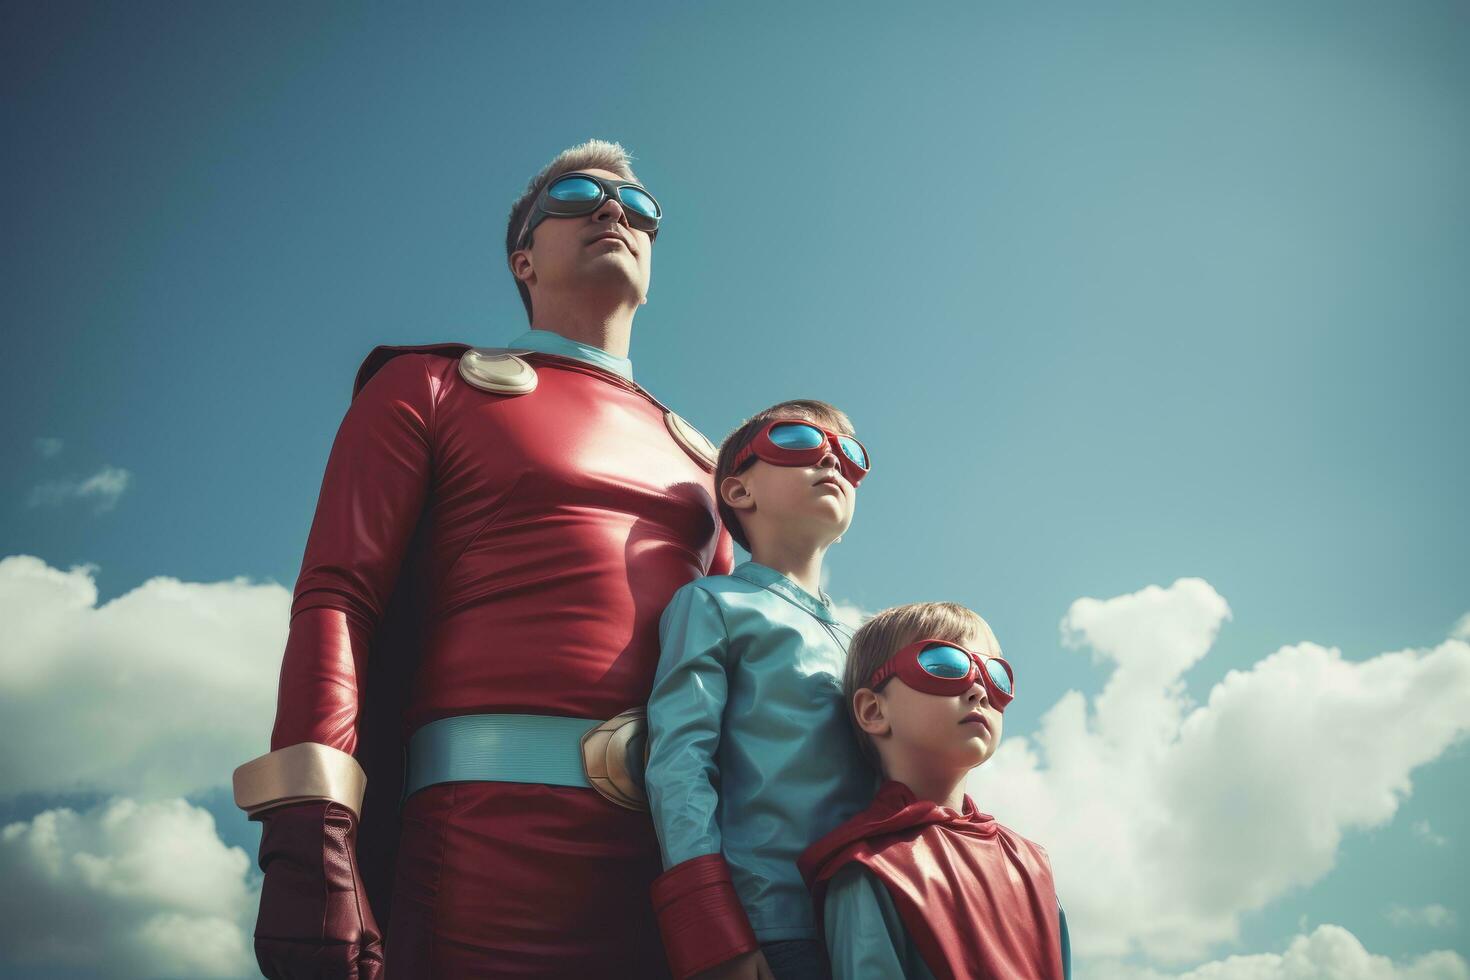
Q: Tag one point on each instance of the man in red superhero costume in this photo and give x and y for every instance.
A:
(496, 537)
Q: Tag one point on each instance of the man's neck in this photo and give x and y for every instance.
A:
(608, 328)
(801, 562)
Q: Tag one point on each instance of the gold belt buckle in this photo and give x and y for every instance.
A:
(613, 756)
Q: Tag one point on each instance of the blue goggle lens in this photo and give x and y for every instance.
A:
(575, 190)
(945, 662)
(853, 451)
(998, 676)
(636, 200)
(797, 436)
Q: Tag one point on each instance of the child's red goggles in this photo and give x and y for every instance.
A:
(942, 667)
(796, 442)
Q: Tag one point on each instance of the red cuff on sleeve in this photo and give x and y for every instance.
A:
(700, 916)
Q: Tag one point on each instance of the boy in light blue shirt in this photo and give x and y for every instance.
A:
(751, 756)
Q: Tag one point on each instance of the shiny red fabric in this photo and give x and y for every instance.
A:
(700, 916)
(516, 880)
(977, 899)
(542, 535)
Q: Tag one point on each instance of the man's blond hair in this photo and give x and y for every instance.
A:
(892, 630)
(591, 155)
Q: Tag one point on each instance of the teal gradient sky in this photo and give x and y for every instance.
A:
(1113, 293)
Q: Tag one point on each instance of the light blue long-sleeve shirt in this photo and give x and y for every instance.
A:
(548, 342)
(750, 752)
(865, 936)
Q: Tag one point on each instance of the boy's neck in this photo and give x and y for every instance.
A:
(946, 788)
(800, 563)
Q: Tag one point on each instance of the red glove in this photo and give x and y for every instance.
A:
(315, 921)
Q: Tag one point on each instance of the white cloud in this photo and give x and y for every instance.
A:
(48, 446)
(1328, 953)
(1167, 821)
(1433, 916)
(846, 612)
(1424, 832)
(849, 613)
(160, 692)
(127, 889)
(1461, 629)
(103, 489)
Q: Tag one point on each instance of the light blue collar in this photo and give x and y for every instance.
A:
(547, 342)
(773, 581)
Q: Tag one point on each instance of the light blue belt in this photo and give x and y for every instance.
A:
(499, 749)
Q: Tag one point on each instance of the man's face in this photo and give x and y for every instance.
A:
(597, 250)
(956, 732)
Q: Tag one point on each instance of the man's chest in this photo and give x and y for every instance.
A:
(574, 450)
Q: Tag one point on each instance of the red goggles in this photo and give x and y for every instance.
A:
(795, 442)
(941, 667)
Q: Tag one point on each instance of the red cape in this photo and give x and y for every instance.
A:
(394, 660)
(976, 898)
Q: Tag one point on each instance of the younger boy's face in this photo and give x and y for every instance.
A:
(956, 732)
(810, 501)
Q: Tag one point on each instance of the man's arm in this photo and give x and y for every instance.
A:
(307, 792)
(699, 914)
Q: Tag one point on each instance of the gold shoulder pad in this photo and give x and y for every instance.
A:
(297, 773)
(497, 371)
(691, 440)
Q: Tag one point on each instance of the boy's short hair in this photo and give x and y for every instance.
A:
(892, 630)
(805, 409)
(591, 155)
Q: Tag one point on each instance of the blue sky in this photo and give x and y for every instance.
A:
(1115, 294)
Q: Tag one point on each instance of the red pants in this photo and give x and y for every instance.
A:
(516, 880)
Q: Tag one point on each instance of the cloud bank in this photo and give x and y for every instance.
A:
(160, 692)
(1327, 953)
(1167, 821)
(128, 889)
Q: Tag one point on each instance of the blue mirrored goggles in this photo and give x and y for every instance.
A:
(786, 442)
(940, 667)
(575, 194)
(801, 435)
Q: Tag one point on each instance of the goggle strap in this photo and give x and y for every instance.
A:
(742, 457)
(882, 674)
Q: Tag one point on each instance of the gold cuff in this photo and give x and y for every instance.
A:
(298, 773)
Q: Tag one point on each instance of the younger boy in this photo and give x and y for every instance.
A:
(921, 884)
(750, 754)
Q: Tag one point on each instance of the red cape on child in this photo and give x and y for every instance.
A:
(977, 899)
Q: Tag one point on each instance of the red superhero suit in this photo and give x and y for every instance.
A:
(475, 552)
(976, 898)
